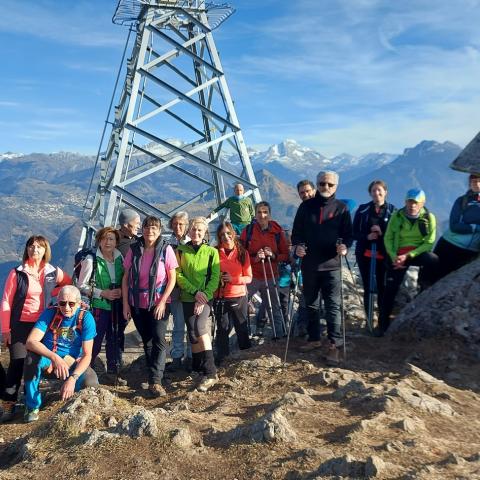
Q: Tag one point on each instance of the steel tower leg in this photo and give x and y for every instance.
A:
(174, 88)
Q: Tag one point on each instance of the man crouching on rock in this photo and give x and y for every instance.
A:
(61, 342)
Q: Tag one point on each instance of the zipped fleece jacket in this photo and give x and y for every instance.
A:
(192, 271)
(365, 217)
(319, 223)
(266, 238)
(241, 209)
(241, 274)
(403, 232)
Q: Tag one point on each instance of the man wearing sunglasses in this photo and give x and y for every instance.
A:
(60, 343)
(322, 231)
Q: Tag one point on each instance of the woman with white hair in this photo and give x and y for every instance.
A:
(198, 275)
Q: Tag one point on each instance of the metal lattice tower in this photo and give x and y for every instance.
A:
(174, 88)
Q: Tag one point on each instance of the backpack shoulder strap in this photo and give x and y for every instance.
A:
(248, 235)
(54, 326)
(278, 236)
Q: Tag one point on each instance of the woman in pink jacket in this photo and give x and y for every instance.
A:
(28, 291)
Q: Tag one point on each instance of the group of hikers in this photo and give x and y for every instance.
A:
(55, 324)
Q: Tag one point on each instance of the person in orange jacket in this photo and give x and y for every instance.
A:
(265, 241)
(231, 299)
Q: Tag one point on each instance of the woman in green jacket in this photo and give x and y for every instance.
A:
(100, 279)
(198, 276)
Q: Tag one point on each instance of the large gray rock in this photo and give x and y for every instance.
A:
(272, 427)
(141, 423)
(348, 467)
(447, 309)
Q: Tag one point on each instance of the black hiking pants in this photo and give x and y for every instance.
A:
(394, 277)
(364, 263)
(155, 345)
(231, 312)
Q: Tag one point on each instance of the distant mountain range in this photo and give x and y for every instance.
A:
(45, 193)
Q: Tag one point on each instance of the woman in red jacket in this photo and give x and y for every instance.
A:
(231, 305)
(28, 291)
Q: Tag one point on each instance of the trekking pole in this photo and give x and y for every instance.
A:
(342, 307)
(219, 303)
(116, 348)
(275, 286)
(297, 281)
(269, 300)
(372, 286)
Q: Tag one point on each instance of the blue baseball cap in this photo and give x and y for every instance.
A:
(416, 194)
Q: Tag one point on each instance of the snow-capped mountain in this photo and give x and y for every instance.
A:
(425, 166)
(9, 155)
(291, 161)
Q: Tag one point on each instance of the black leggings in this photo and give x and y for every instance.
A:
(19, 334)
(231, 312)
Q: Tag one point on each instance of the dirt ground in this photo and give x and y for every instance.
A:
(374, 409)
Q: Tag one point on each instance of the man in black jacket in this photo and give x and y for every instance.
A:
(319, 224)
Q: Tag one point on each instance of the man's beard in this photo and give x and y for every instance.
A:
(325, 194)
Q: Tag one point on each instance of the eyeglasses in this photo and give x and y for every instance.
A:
(324, 184)
(63, 303)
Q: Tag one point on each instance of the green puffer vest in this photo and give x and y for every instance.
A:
(103, 280)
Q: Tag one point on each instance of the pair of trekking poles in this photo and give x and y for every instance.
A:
(269, 299)
(342, 309)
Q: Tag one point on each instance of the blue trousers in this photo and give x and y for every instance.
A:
(35, 365)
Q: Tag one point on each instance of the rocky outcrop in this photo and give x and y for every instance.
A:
(447, 309)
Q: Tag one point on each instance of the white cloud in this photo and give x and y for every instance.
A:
(77, 23)
(369, 75)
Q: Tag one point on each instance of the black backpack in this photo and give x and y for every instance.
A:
(78, 259)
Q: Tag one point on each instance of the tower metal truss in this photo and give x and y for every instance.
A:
(175, 139)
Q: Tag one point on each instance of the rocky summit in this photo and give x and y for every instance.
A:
(399, 407)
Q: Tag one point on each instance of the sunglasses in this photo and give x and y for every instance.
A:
(63, 303)
(324, 184)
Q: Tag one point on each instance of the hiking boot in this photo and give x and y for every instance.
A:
(310, 346)
(332, 357)
(156, 390)
(31, 415)
(207, 383)
(8, 410)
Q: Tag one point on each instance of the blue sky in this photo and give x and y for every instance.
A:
(352, 76)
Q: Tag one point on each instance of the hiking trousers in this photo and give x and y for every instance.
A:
(259, 286)
(394, 278)
(328, 284)
(35, 365)
(152, 332)
(113, 348)
(177, 348)
(364, 263)
(231, 312)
